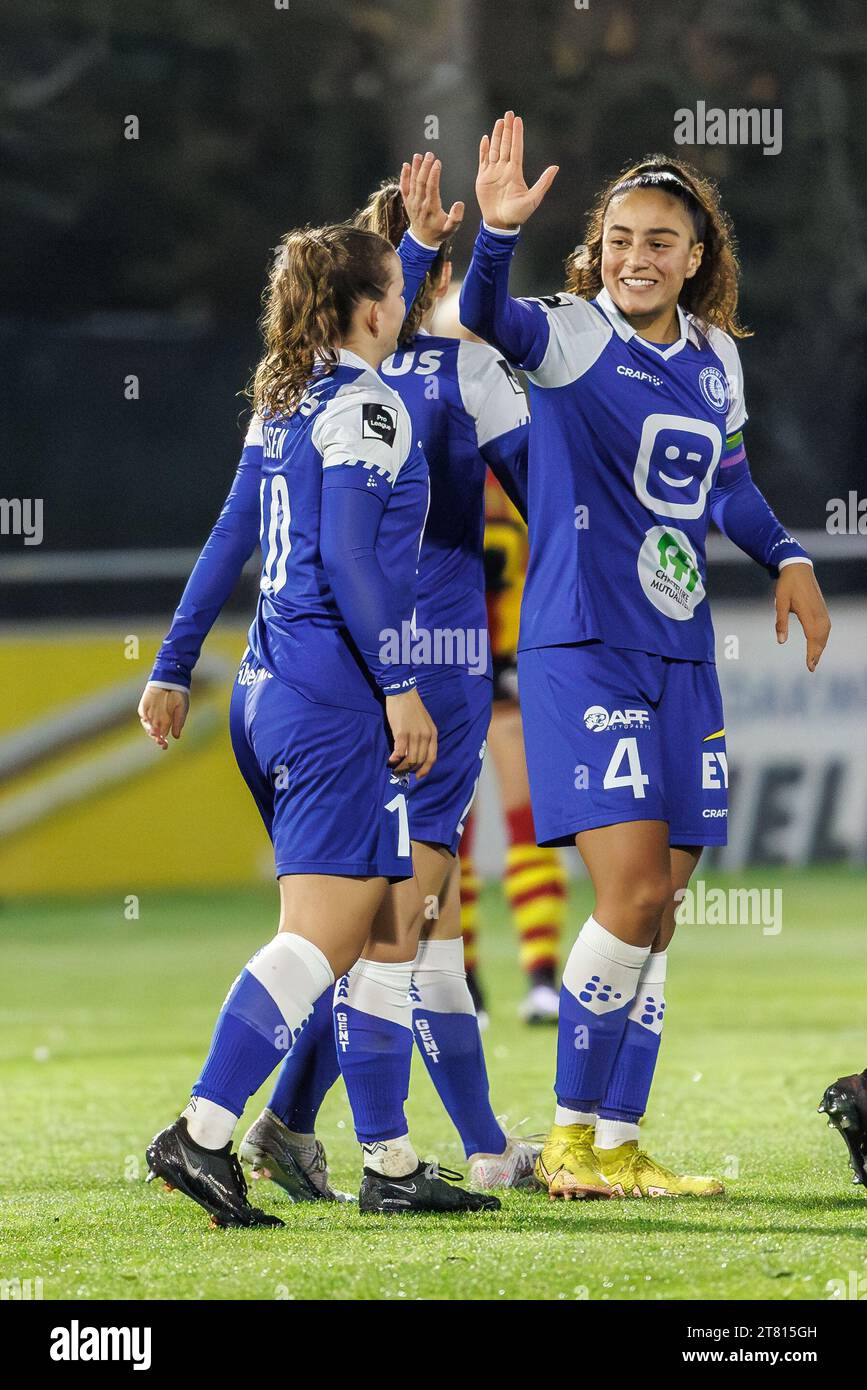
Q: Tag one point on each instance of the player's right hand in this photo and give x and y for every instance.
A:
(420, 189)
(504, 198)
(163, 712)
(414, 734)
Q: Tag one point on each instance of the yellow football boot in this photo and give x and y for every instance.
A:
(567, 1166)
(630, 1172)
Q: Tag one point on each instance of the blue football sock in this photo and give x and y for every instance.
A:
(309, 1071)
(372, 1029)
(599, 985)
(629, 1085)
(448, 1038)
(265, 1011)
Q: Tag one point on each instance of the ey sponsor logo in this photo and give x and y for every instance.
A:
(77, 1343)
(669, 574)
(597, 718)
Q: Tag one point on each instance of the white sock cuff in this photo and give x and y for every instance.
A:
(597, 938)
(441, 955)
(440, 980)
(655, 968)
(564, 1116)
(381, 989)
(294, 972)
(315, 960)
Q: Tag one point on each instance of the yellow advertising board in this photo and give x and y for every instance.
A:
(87, 802)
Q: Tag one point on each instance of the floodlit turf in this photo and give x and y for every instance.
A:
(105, 1022)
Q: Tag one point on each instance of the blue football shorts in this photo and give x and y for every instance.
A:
(613, 735)
(319, 775)
(460, 706)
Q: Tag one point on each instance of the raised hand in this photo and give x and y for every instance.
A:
(504, 198)
(420, 189)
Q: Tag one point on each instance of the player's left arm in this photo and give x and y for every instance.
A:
(741, 512)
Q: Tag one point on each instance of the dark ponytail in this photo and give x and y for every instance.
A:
(385, 214)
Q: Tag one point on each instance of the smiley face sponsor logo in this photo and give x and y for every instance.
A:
(677, 459)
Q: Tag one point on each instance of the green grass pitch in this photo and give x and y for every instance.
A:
(105, 1022)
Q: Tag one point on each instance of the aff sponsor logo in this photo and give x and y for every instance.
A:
(77, 1343)
(429, 1042)
(733, 907)
(639, 376)
(597, 718)
(742, 125)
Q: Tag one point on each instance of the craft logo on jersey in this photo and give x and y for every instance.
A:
(378, 422)
(597, 718)
(714, 388)
(669, 573)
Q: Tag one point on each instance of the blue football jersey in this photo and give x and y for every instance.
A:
(625, 448)
(469, 411)
(350, 430)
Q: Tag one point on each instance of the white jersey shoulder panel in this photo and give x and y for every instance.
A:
(490, 391)
(579, 334)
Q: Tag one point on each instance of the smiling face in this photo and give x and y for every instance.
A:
(648, 250)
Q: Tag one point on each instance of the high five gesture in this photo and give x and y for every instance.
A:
(420, 188)
(504, 198)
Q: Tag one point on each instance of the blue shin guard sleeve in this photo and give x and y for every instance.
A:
(309, 1071)
(628, 1088)
(375, 1055)
(451, 1046)
(245, 1047)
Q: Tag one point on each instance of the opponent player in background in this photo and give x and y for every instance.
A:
(470, 414)
(637, 403)
(342, 486)
(535, 880)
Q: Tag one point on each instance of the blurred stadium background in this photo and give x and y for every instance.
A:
(151, 156)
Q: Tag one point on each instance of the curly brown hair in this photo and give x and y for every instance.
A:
(318, 277)
(712, 293)
(385, 213)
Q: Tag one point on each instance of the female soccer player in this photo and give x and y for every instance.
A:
(469, 413)
(343, 491)
(637, 402)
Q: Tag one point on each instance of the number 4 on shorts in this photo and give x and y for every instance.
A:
(627, 748)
